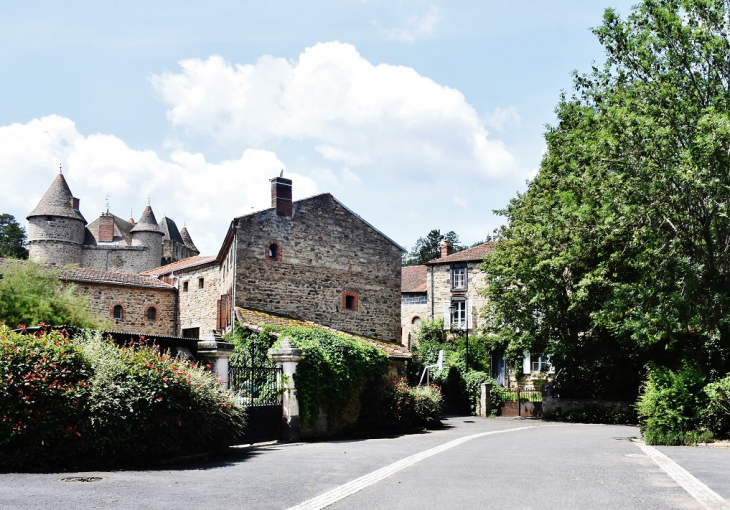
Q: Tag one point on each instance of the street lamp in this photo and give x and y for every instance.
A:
(454, 310)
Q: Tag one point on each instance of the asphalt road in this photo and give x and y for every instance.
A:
(541, 466)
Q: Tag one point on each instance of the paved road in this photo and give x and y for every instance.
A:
(513, 464)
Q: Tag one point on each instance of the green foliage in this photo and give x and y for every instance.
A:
(429, 247)
(32, 294)
(716, 415)
(670, 406)
(616, 254)
(12, 238)
(594, 414)
(396, 405)
(67, 404)
(44, 391)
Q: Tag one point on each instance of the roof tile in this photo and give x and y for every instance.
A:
(472, 254)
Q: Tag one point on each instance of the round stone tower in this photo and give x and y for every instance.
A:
(147, 233)
(56, 227)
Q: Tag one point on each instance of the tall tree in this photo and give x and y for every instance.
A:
(429, 247)
(617, 254)
(12, 238)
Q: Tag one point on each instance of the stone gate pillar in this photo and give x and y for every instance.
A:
(485, 402)
(287, 357)
(212, 349)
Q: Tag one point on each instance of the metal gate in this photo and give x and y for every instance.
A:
(522, 402)
(256, 381)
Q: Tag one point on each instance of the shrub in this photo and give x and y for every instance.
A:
(716, 415)
(669, 406)
(594, 414)
(66, 404)
(396, 405)
(43, 394)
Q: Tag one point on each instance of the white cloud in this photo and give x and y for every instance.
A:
(503, 118)
(383, 119)
(416, 27)
(186, 187)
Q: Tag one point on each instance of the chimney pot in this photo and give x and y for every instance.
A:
(446, 249)
(281, 196)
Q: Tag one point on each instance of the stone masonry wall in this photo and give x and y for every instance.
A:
(135, 302)
(409, 311)
(442, 292)
(198, 305)
(55, 240)
(324, 253)
(124, 259)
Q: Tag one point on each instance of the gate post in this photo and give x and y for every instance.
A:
(287, 357)
(215, 351)
(485, 402)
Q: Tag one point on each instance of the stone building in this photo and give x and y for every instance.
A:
(197, 280)
(414, 302)
(315, 260)
(135, 303)
(58, 234)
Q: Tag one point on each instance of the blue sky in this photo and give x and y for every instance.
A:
(415, 114)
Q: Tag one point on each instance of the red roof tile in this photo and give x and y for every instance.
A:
(179, 265)
(84, 274)
(413, 279)
(472, 254)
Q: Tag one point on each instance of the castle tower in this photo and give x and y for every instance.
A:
(189, 241)
(56, 227)
(147, 233)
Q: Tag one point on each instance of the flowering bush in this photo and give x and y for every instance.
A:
(65, 403)
(396, 405)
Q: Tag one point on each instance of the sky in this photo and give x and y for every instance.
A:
(417, 115)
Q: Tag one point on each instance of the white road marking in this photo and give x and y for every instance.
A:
(698, 490)
(350, 488)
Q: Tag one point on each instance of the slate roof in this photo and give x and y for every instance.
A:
(122, 230)
(57, 202)
(471, 255)
(255, 320)
(83, 274)
(413, 279)
(148, 222)
(169, 228)
(187, 240)
(187, 263)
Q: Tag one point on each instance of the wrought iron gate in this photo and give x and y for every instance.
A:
(256, 381)
(524, 402)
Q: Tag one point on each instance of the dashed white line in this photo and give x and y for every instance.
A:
(343, 491)
(698, 490)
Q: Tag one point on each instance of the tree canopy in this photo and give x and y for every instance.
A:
(429, 247)
(12, 238)
(617, 253)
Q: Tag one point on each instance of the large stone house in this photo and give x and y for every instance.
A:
(58, 234)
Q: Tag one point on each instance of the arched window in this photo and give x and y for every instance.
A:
(273, 252)
(416, 321)
(118, 312)
(151, 313)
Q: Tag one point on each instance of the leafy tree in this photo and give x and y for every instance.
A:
(31, 294)
(12, 238)
(429, 247)
(617, 253)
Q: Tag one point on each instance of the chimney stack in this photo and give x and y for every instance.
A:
(106, 228)
(281, 196)
(445, 249)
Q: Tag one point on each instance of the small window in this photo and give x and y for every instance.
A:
(118, 312)
(151, 314)
(185, 286)
(416, 321)
(350, 300)
(458, 278)
(273, 252)
(201, 283)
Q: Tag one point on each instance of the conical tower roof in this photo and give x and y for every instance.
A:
(147, 223)
(57, 202)
(187, 239)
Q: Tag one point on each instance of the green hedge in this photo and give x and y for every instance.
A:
(68, 404)
(398, 406)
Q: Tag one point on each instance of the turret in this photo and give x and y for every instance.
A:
(56, 227)
(147, 233)
(188, 241)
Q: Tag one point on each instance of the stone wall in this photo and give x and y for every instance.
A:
(55, 240)
(323, 254)
(135, 302)
(198, 306)
(551, 404)
(442, 292)
(121, 258)
(410, 310)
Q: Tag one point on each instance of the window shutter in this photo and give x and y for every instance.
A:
(526, 363)
(447, 316)
(218, 316)
(469, 316)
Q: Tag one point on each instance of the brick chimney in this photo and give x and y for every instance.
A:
(106, 228)
(281, 196)
(445, 249)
